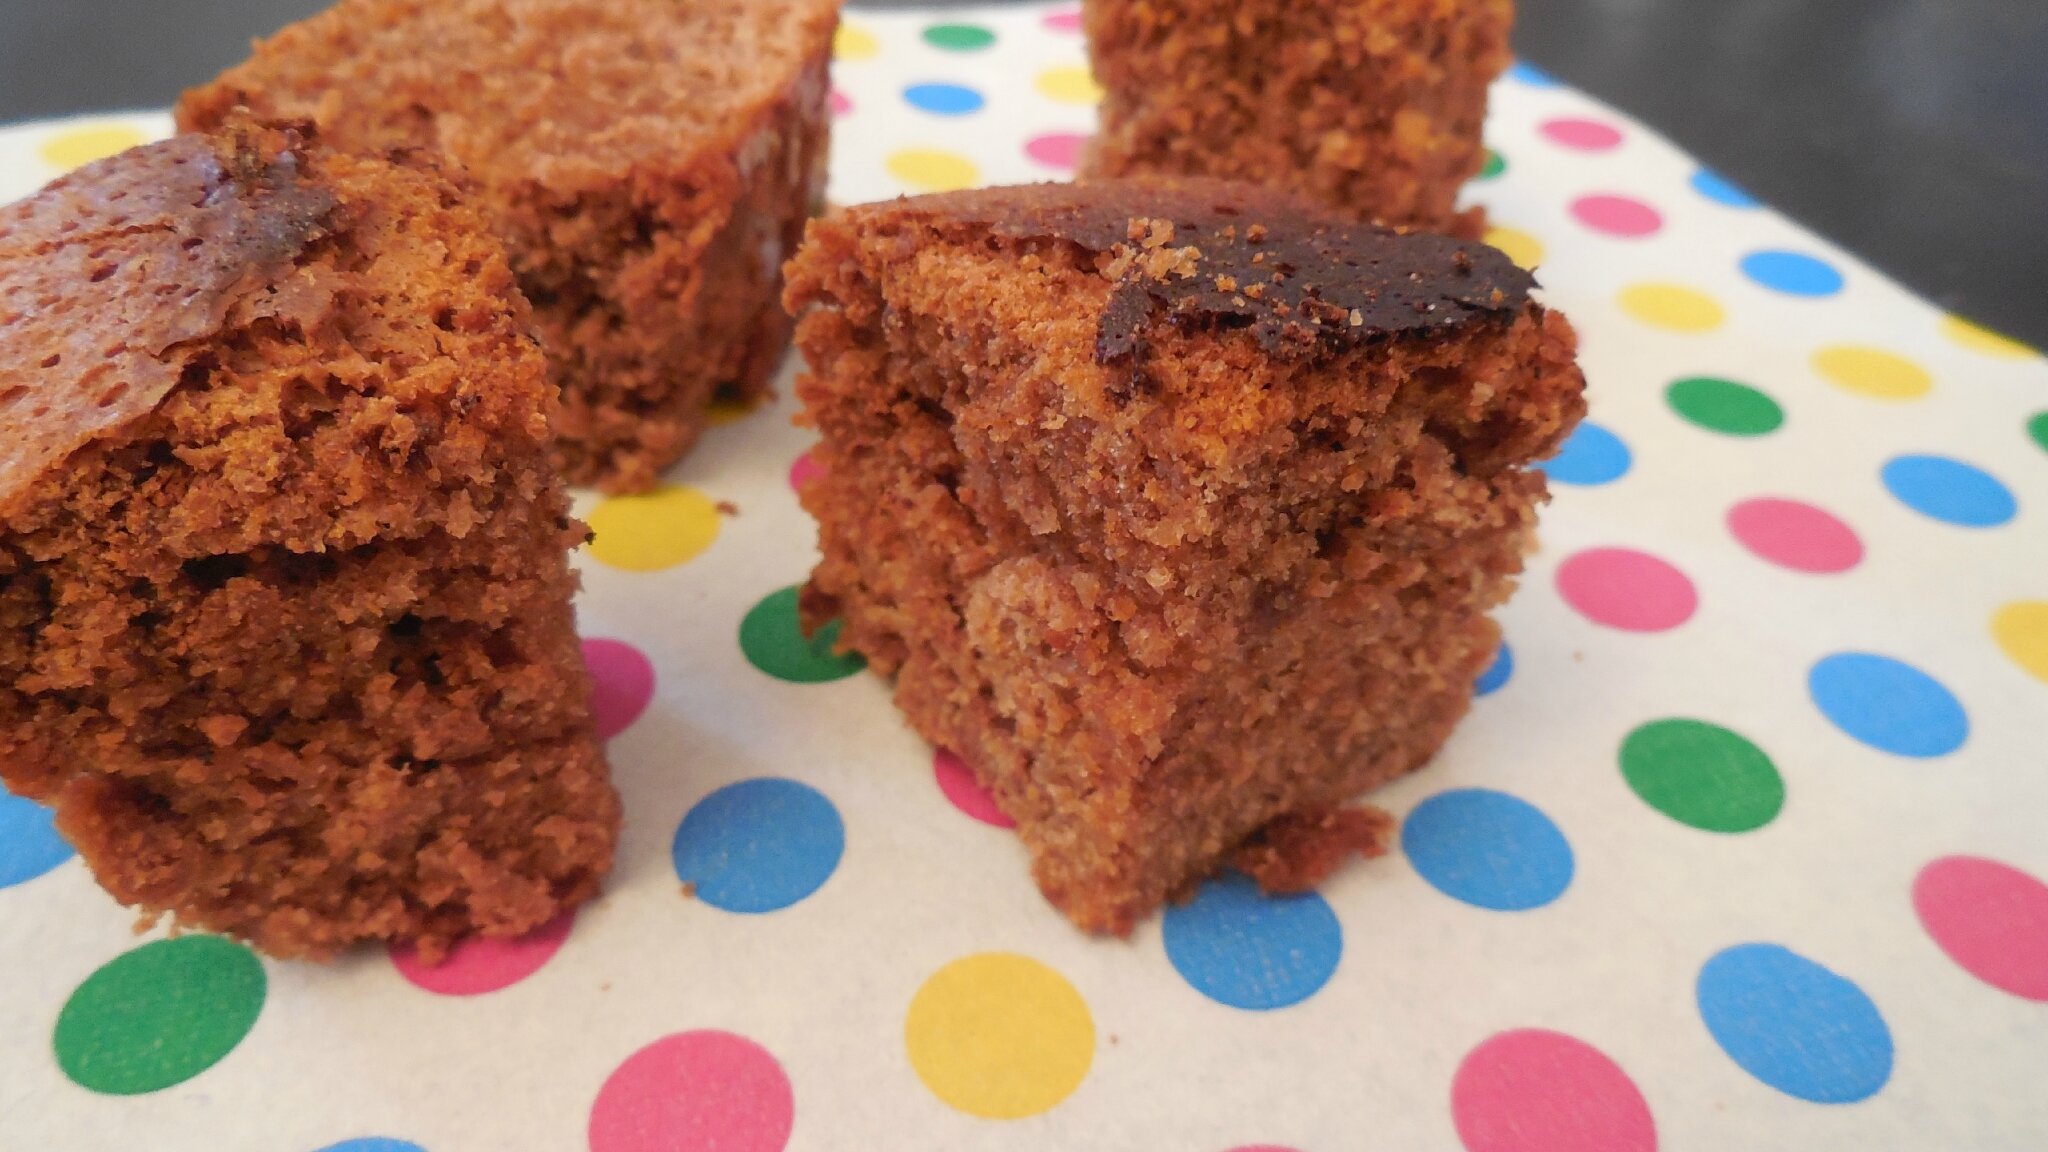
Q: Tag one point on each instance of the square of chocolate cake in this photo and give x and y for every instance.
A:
(285, 624)
(649, 165)
(1175, 508)
(1370, 107)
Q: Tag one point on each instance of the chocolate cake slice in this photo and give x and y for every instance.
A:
(1372, 108)
(1176, 508)
(285, 621)
(649, 165)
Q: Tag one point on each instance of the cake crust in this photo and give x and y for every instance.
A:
(1179, 576)
(71, 382)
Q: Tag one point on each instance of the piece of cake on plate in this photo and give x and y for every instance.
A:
(648, 163)
(285, 623)
(1371, 107)
(1176, 508)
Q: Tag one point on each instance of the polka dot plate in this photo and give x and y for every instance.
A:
(1741, 847)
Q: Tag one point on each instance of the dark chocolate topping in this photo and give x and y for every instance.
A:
(1302, 281)
(1307, 292)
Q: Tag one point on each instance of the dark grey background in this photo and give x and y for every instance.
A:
(1914, 132)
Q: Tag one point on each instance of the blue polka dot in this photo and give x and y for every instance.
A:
(1591, 455)
(1497, 673)
(1488, 849)
(759, 845)
(1531, 75)
(1889, 705)
(1241, 947)
(1716, 188)
(1795, 1025)
(1793, 273)
(374, 1144)
(944, 99)
(1950, 491)
(29, 844)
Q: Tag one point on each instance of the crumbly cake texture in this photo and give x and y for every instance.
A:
(648, 163)
(285, 623)
(1371, 107)
(1175, 507)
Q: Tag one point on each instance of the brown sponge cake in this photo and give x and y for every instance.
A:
(1176, 508)
(285, 621)
(1371, 107)
(648, 163)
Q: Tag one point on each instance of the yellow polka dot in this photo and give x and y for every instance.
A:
(1984, 340)
(999, 1036)
(854, 43)
(1872, 372)
(933, 170)
(75, 146)
(2021, 628)
(1069, 85)
(1673, 306)
(727, 409)
(1522, 248)
(654, 530)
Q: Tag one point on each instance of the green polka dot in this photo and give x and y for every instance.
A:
(159, 1015)
(776, 645)
(1725, 406)
(959, 37)
(1702, 775)
(2038, 429)
(1495, 165)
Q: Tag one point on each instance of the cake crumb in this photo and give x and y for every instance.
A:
(727, 508)
(222, 731)
(1297, 852)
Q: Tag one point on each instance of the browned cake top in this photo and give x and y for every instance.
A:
(107, 274)
(542, 88)
(1216, 252)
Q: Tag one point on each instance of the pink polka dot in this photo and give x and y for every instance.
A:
(1795, 535)
(483, 964)
(1991, 918)
(1584, 135)
(694, 1090)
(803, 471)
(1617, 215)
(1532, 1090)
(957, 781)
(840, 104)
(1060, 150)
(623, 684)
(1626, 589)
(1068, 21)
